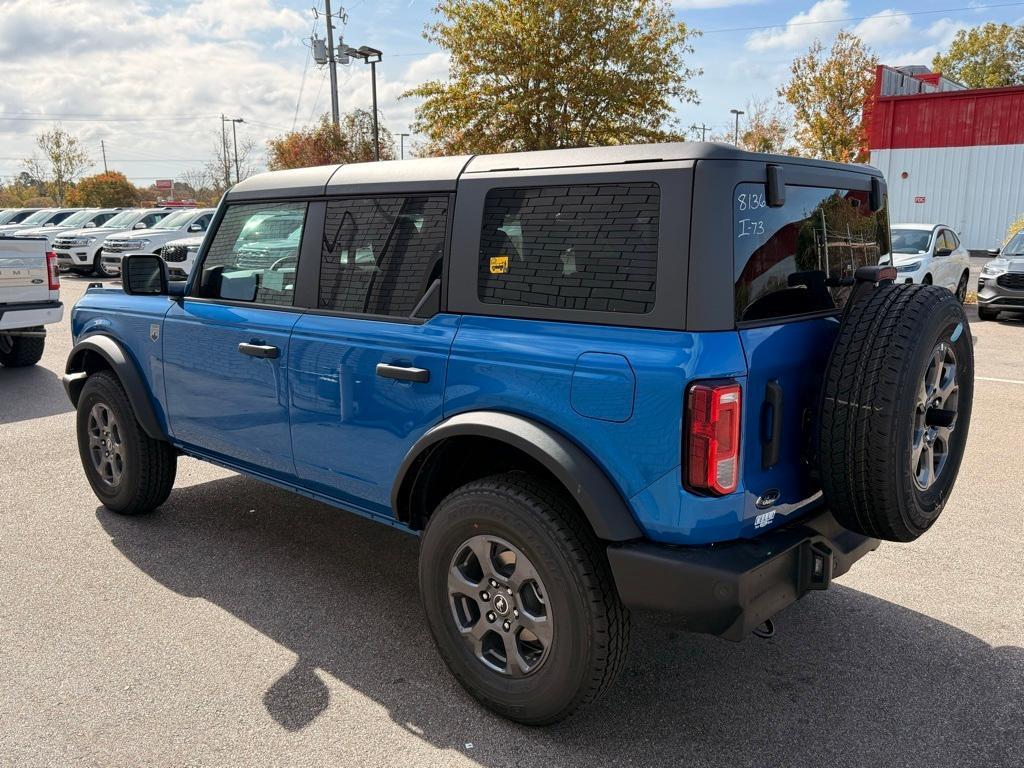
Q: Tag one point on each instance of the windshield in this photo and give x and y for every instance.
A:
(78, 218)
(39, 217)
(1016, 245)
(175, 220)
(910, 240)
(123, 219)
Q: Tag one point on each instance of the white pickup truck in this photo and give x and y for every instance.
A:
(29, 299)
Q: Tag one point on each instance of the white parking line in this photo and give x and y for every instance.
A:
(1001, 381)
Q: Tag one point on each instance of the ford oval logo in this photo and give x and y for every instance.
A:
(767, 499)
(37, 281)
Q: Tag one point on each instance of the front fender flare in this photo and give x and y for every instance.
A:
(601, 502)
(126, 370)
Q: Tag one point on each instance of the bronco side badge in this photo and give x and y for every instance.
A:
(154, 332)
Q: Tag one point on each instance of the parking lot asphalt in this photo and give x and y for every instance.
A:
(242, 625)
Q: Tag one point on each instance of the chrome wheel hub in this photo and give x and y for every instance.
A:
(935, 417)
(499, 605)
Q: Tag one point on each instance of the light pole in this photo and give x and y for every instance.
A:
(736, 135)
(401, 139)
(234, 133)
(370, 56)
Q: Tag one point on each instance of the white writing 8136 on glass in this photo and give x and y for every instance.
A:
(752, 202)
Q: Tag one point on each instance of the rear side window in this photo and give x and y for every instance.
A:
(590, 247)
(261, 269)
(800, 258)
(381, 254)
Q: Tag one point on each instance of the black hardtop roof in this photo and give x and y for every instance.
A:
(442, 173)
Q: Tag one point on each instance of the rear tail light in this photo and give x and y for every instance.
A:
(712, 440)
(52, 271)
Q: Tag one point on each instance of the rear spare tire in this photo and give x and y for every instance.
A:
(896, 407)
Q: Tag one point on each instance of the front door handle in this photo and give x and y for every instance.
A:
(403, 373)
(265, 351)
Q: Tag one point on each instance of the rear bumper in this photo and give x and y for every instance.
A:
(30, 315)
(728, 590)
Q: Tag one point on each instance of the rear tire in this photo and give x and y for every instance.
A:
(21, 351)
(129, 471)
(578, 648)
(896, 409)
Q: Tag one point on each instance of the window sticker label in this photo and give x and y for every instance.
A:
(499, 265)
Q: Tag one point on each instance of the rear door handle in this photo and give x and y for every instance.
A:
(403, 373)
(259, 350)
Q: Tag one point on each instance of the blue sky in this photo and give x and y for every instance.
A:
(151, 78)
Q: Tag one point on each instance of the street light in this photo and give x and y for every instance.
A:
(370, 56)
(736, 136)
(234, 133)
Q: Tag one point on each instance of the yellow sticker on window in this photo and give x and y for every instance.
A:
(499, 265)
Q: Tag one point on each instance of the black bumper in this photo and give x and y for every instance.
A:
(730, 589)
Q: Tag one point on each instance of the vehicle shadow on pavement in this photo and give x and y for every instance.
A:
(849, 679)
(30, 393)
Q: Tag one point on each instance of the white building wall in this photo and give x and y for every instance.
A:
(977, 191)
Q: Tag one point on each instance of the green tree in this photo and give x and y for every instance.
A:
(323, 144)
(541, 74)
(764, 127)
(828, 94)
(105, 190)
(989, 56)
(63, 160)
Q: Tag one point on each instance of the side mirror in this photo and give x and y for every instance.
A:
(993, 252)
(90, 225)
(939, 252)
(195, 227)
(144, 274)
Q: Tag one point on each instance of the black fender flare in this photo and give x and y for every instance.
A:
(126, 370)
(602, 503)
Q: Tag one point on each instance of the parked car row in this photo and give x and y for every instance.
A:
(1001, 283)
(93, 240)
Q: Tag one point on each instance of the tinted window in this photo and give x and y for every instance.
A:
(381, 254)
(262, 269)
(800, 258)
(590, 247)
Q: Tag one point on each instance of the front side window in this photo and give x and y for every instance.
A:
(261, 270)
(800, 258)
(380, 255)
(591, 247)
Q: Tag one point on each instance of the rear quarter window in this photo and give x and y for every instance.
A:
(799, 259)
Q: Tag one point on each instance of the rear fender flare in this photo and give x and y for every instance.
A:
(601, 502)
(126, 370)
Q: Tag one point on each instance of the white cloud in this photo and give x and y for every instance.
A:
(888, 26)
(938, 35)
(703, 4)
(820, 20)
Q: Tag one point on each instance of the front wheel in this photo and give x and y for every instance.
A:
(520, 599)
(961, 288)
(97, 265)
(129, 471)
(22, 351)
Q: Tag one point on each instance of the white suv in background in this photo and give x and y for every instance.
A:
(188, 221)
(930, 254)
(89, 217)
(44, 217)
(80, 249)
(180, 255)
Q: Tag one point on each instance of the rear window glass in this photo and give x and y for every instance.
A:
(591, 247)
(800, 258)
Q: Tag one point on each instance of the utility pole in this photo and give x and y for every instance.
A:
(401, 140)
(703, 130)
(103, 149)
(234, 136)
(332, 64)
(224, 146)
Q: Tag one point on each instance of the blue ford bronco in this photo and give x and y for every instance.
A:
(669, 377)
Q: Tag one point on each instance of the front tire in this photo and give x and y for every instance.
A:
(128, 470)
(97, 265)
(21, 351)
(552, 635)
(961, 288)
(987, 314)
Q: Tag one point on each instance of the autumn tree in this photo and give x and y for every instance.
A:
(540, 74)
(828, 94)
(764, 127)
(222, 166)
(323, 144)
(63, 160)
(989, 56)
(105, 190)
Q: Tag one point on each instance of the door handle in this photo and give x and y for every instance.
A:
(265, 351)
(403, 373)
